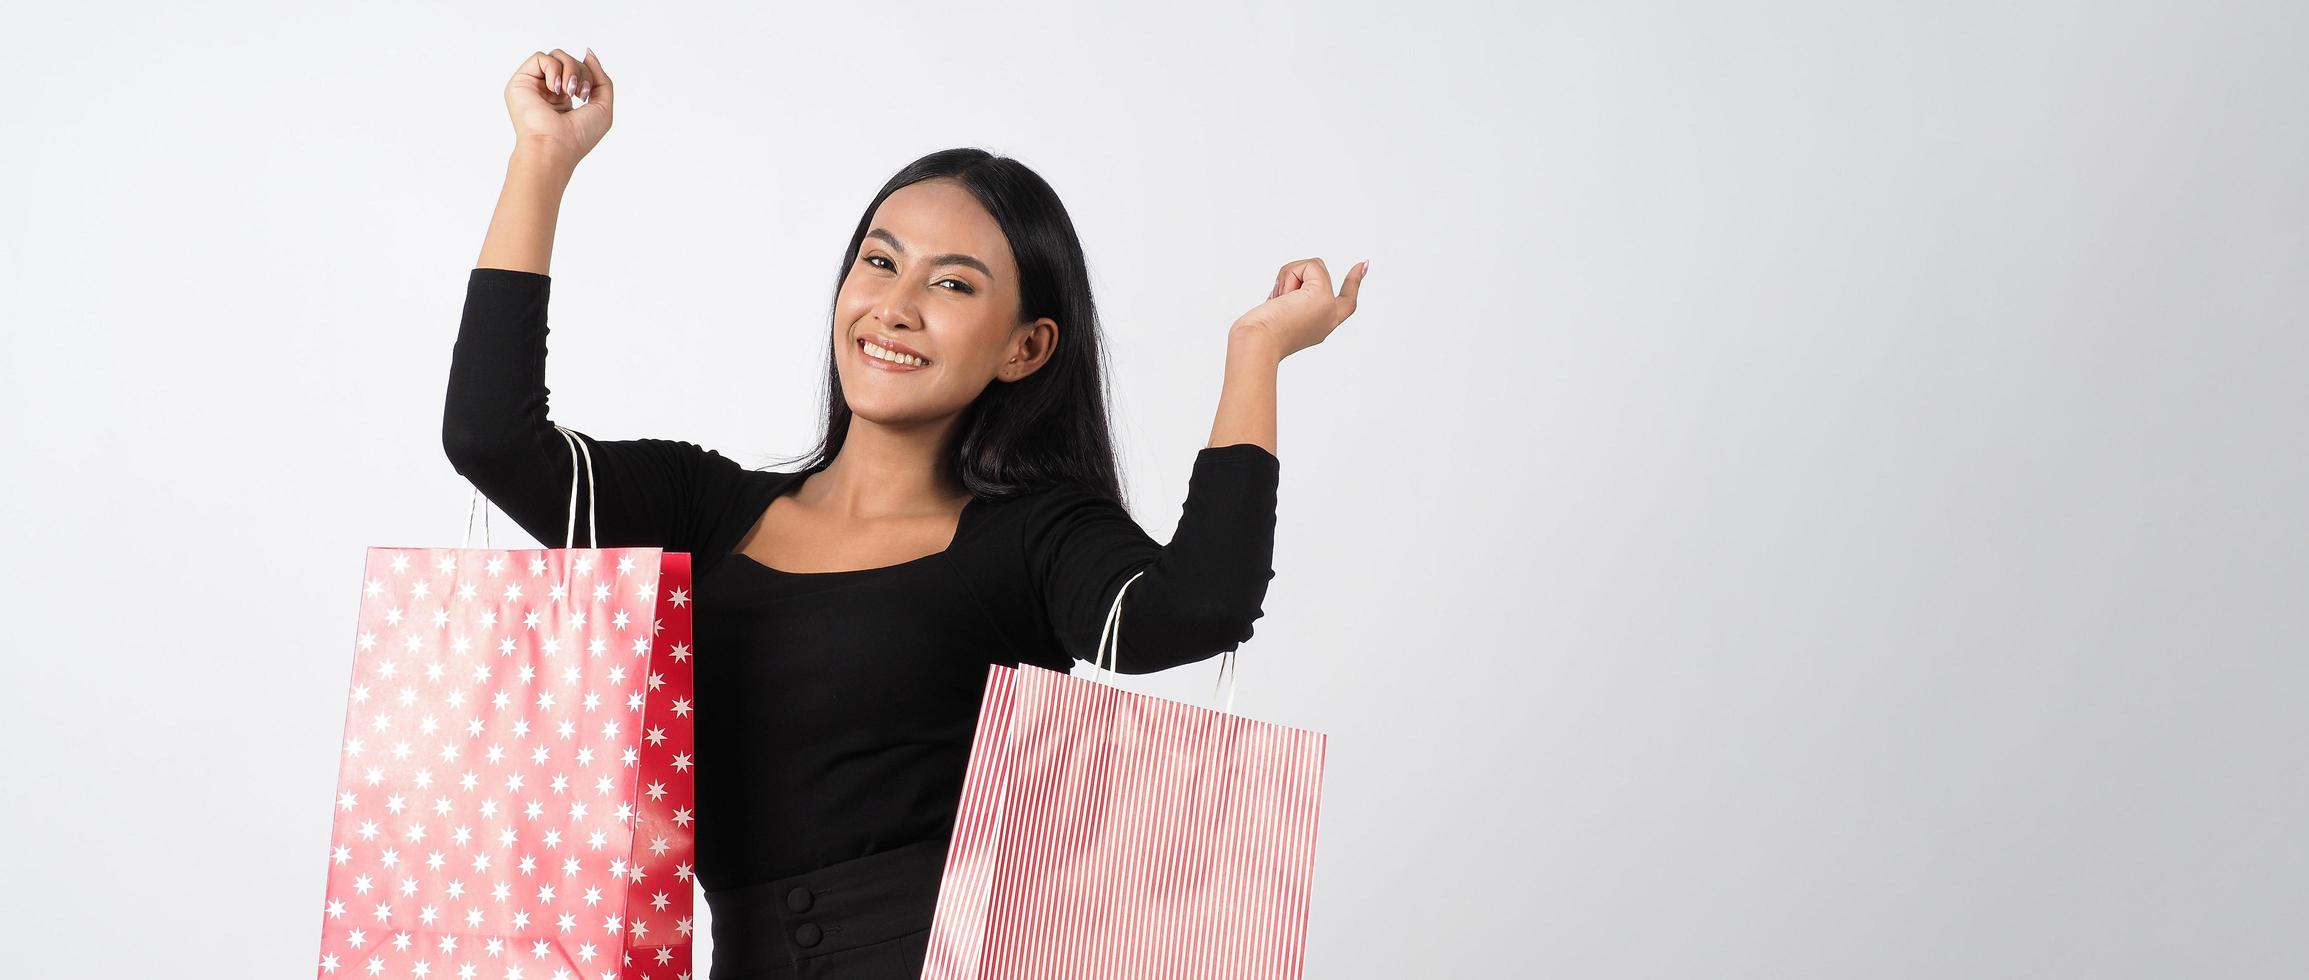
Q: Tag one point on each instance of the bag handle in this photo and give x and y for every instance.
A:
(569, 537)
(1110, 643)
(592, 492)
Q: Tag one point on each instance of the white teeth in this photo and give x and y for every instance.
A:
(874, 350)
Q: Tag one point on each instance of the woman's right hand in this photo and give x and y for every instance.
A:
(542, 99)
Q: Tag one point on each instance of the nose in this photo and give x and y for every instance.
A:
(892, 314)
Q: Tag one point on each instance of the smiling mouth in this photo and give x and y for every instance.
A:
(890, 359)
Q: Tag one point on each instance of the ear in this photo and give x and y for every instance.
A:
(1031, 347)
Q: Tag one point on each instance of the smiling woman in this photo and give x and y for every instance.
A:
(933, 313)
(965, 465)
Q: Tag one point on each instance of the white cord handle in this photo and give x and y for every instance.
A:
(1110, 643)
(592, 497)
(593, 493)
(481, 507)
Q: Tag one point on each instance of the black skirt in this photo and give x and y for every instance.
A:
(863, 919)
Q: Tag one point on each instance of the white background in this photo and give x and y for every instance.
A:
(1812, 489)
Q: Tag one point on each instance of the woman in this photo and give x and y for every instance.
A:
(961, 509)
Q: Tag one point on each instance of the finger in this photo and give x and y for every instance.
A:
(1314, 271)
(597, 86)
(1283, 281)
(580, 77)
(544, 67)
(564, 73)
(1354, 286)
(574, 75)
(1311, 271)
(538, 69)
(1291, 276)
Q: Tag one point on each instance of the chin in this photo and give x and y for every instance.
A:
(880, 409)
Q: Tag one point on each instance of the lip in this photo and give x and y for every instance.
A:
(888, 344)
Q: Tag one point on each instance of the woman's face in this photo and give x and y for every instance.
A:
(934, 278)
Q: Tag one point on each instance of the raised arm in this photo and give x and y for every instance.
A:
(495, 426)
(551, 133)
(1300, 312)
(1200, 593)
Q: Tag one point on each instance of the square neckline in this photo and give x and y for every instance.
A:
(794, 480)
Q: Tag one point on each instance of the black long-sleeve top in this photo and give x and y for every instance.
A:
(835, 709)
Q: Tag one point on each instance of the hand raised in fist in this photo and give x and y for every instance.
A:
(543, 100)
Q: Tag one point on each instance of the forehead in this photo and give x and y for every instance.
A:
(939, 217)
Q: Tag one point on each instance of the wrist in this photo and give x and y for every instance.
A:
(1253, 342)
(542, 155)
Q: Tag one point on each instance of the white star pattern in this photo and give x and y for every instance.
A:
(468, 898)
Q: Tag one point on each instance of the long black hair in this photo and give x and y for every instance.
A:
(1051, 426)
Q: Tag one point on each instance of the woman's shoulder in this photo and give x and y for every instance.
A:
(758, 476)
(1035, 499)
(1023, 516)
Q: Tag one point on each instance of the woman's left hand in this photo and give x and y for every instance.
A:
(1301, 310)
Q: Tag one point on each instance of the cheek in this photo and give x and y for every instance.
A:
(849, 311)
(982, 349)
(851, 297)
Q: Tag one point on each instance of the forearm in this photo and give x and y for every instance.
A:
(521, 232)
(1247, 400)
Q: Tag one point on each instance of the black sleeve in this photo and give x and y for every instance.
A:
(496, 431)
(1200, 593)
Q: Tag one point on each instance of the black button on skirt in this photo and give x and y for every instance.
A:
(863, 919)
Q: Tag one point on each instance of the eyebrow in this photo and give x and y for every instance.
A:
(950, 258)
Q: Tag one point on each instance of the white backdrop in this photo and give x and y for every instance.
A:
(1812, 490)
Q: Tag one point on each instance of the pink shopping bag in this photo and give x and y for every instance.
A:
(1107, 834)
(515, 792)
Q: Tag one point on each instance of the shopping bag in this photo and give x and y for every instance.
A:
(515, 793)
(1107, 834)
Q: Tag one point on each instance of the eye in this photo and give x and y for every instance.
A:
(869, 260)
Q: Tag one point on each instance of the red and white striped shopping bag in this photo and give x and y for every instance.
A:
(1107, 834)
(515, 794)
